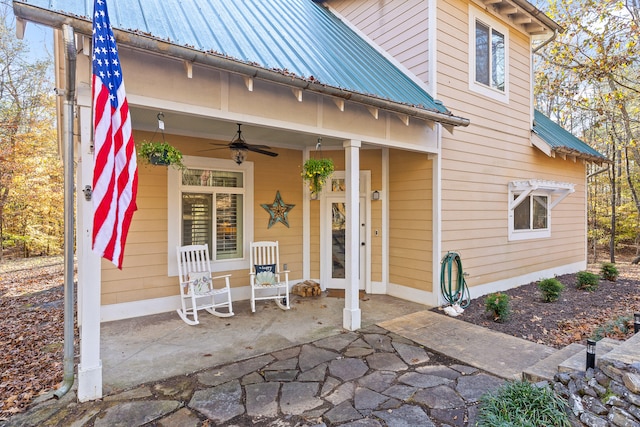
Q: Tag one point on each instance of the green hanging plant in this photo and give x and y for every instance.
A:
(161, 153)
(315, 173)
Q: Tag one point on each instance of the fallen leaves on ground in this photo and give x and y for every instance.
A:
(31, 332)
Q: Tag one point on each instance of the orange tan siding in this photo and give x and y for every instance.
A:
(479, 161)
(144, 273)
(410, 220)
(398, 27)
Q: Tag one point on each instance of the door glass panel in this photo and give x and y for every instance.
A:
(337, 184)
(338, 235)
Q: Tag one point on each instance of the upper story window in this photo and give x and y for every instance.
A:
(488, 56)
(211, 202)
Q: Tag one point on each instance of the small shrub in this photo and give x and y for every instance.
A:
(520, 403)
(620, 326)
(498, 305)
(609, 271)
(551, 289)
(587, 281)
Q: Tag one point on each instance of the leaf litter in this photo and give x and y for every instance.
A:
(32, 321)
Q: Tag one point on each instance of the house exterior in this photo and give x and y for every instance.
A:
(431, 128)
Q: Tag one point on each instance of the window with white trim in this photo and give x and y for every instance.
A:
(212, 211)
(211, 201)
(530, 205)
(489, 56)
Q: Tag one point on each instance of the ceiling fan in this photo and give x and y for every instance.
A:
(239, 148)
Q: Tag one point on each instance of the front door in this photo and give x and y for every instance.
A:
(332, 244)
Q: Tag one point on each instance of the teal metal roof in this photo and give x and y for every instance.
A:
(562, 141)
(300, 38)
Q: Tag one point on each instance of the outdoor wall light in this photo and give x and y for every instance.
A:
(591, 354)
(375, 195)
(636, 323)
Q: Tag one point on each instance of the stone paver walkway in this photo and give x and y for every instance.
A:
(371, 377)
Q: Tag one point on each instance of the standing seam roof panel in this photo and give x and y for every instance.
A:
(300, 36)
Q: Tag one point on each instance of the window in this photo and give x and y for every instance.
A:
(489, 56)
(212, 211)
(530, 205)
(488, 62)
(211, 202)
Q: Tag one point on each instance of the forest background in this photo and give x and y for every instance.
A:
(586, 79)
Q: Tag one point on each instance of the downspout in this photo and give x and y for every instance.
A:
(67, 142)
(546, 42)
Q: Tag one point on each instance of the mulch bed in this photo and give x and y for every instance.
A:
(574, 317)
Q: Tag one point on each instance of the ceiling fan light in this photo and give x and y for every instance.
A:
(238, 155)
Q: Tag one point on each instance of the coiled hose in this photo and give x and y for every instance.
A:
(459, 295)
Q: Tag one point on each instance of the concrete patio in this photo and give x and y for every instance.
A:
(150, 348)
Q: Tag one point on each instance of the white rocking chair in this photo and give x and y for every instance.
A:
(197, 291)
(266, 277)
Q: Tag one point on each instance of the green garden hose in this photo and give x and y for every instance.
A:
(459, 295)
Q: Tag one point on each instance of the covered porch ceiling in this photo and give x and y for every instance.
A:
(177, 123)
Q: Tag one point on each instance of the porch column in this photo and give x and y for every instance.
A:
(89, 279)
(351, 315)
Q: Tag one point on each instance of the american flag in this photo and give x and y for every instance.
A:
(115, 171)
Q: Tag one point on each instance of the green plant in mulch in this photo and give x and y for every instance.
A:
(499, 306)
(609, 271)
(522, 404)
(620, 326)
(551, 289)
(587, 281)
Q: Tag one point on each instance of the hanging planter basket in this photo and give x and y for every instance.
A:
(315, 173)
(161, 154)
(159, 159)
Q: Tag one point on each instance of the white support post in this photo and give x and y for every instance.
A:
(352, 315)
(89, 280)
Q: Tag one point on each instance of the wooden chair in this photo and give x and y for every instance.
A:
(266, 277)
(197, 291)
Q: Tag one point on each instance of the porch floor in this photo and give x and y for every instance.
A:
(150, 348)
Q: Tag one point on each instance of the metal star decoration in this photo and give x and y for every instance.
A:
(278, 211)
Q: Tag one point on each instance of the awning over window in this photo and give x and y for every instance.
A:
(551, 188)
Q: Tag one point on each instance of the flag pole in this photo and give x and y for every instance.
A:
(67, 142)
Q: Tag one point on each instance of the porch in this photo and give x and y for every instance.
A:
(151, 348)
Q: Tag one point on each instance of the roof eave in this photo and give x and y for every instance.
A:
(566, 151)
(214, 59)
(539, 15)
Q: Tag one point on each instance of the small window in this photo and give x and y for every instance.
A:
(488, 62)
(530, 204)
(531, 213)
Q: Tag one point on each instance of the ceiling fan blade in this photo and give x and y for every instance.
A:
(261, 151)
(225, 147)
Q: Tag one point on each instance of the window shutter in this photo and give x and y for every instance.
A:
(196, 219)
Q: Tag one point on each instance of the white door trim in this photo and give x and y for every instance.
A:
(326, 198)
